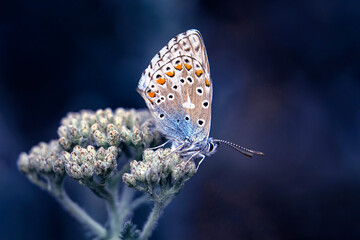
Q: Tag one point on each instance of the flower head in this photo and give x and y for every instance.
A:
(161, 173)
(90, 143)
(43, 158)
(105, 128)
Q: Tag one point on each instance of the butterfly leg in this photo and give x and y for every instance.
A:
(202, 159)
(174, 150)
(154, 148)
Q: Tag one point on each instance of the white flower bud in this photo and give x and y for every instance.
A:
(110, 127)
(89, 159)
(74, 134)
(100, 167)
(177, 173)
(136, 136)
(129, 180)
(65, 143)
(103, 122)
(190, 168)
(91, 150)
(94, 127)
(46, 164)
(23, 163)
(75, 158)
(110, 159)
(65, 156)
(87, 170)
(113, 150)
(113, 137)
(84, 128)
(92, 119)
(125, 134)
(62, 131)
(58, 166)
(99, 138)
(152, 176)
(75, 171)
(100, 153)
(140, 171)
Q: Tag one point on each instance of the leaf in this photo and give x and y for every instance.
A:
(130, 232)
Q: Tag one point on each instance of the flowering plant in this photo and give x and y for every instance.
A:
(102, 150)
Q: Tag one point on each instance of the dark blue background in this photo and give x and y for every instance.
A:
(286, 82)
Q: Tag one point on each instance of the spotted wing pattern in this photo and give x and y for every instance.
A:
(177, 88)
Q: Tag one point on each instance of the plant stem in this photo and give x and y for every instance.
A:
(118, 175)
(153, 219)
(34, 178)
(76, 211)
(126, 197)
(113, 213)
(139, 201)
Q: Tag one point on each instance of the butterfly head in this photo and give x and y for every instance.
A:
(211, 147)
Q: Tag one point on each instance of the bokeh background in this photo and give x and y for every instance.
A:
(286, 82)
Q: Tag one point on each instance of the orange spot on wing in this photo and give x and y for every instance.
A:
(188, 66)
(152, 103)
(160, 81)
(178, 67)
(151, 94)
(207, 83)
(199, 72)
(170, 74)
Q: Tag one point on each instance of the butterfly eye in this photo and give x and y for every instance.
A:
(205, 104)
(211, 147)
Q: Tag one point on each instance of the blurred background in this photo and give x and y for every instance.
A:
(286, 82)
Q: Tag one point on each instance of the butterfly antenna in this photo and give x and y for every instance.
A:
(245, 151)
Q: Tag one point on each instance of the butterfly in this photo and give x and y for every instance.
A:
(177, 89)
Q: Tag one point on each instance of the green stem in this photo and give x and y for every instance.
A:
(98, 189)
(113, 212)
(153, 219)
(34, 178)
(118, 175)
(76, 211)
(126, 197)
(139, 201)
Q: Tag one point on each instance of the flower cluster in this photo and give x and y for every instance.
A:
(83, 163)
(105, 128)
(43, 158)
(88, 149)
(161, 173)
(91, 143)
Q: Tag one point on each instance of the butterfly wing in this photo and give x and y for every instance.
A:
(177, 88)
